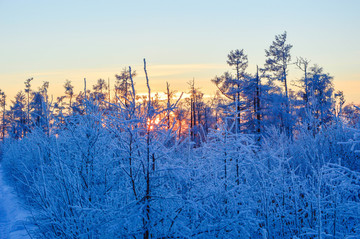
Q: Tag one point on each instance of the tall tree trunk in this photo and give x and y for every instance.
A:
(238, 108)
(287, 106)
(168, 104)
(257, 105)
(147, 193)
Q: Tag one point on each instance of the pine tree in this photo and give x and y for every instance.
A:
(123, 85)
(18, 116)
(278, 58)
(232, 87)
(69, 90)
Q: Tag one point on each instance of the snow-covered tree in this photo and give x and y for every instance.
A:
(278, 58)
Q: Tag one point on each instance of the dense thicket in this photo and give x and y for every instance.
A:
(258, 160)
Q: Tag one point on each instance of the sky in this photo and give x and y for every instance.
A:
(181, 40)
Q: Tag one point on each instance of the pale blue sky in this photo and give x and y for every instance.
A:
(58, 40)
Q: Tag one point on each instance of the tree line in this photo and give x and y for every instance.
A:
(251, 102)
(260, 159)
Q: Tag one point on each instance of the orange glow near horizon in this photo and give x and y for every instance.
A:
(176, 75)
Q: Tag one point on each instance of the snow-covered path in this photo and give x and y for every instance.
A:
(12, 217)
(3, 222)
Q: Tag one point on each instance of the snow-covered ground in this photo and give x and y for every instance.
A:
(12, 216)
